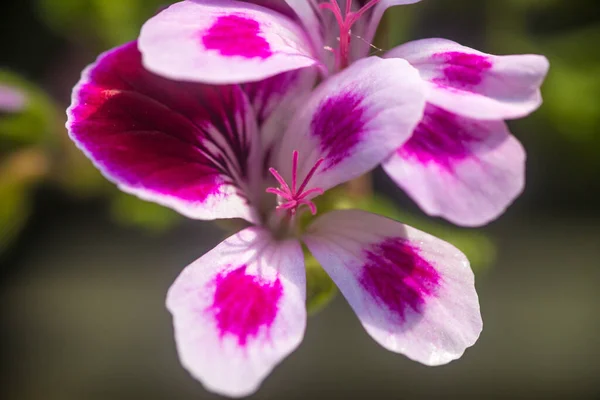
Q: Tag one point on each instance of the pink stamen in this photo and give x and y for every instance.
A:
(294, 198)
(345, 23)
(356, 16)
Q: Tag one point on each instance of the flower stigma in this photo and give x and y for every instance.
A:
(293, 197)
(345, 23)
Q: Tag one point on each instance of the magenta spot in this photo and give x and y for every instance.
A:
(441, 138)
(398, 277)
(244, 303)
(234, 35)
(339, 125)
(462, 70)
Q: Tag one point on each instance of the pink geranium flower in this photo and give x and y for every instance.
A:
(210, 152)
(213, 113)
(461, 162)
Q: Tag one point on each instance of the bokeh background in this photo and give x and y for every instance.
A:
(84, 268)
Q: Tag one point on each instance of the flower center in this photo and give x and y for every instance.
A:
(345, 22)
(293, 197)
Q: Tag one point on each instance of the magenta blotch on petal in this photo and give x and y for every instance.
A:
(474, 84)
(464, 170)
(223, 42)
(339, 125)
(353, 121)
(398, 277)
(440, 138)
(413, 293)
(239, 310)
(244, 303)
(462, 69)
(234, 35)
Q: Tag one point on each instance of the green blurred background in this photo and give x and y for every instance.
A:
(84, 268)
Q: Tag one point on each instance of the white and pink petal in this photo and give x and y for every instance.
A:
(239, 310)
(187, 146)
(475, 84)
(413, 293)
(352, 122)
(224, 41)
(466, 171)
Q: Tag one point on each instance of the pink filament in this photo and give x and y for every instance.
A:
(345, 23)
(294, 198)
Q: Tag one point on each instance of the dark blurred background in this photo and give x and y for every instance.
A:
(84, 269)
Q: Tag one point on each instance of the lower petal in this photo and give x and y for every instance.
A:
(239, 310)
(413, 293)
(464, 170)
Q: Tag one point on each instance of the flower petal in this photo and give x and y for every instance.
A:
(239, 310)
(465, 170)
(224, 41)
(475, 84)
(413, 293)
(353, 121)
(184, 145)
(11, 99)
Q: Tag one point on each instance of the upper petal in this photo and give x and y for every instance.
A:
(224, 41)
(239, 310)
(184, 145)
(475, 84)
(413, 293)
(353, 121)
(11, 99)
(467, 171)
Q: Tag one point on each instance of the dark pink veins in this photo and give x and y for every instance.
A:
(441, 138)
(339, 125)
(462, 70)
(398, 277)
(236, 35)
(244, 303)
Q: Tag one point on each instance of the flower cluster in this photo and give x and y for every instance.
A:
(214, 112)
